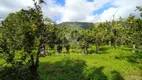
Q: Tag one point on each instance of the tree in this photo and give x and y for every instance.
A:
(66, 44)
(59, 45)
(135, 31)
(84, 40)
(24, 31)
(12, 40)
(122, 31)
(49, 34)
(98, 36)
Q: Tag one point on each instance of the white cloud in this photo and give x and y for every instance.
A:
(75, 10)
(81, 10)
(51, 9)
(8, 6)
(124, 9)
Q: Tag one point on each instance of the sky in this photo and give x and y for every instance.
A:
(76, 10)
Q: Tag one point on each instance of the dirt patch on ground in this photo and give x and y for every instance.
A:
(133, 77)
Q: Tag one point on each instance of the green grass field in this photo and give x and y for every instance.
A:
(110, 64)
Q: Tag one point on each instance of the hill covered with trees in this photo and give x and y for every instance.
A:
(76, 25)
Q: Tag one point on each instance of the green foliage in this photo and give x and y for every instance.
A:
(25, 33)
(105, 66)
(15, 73)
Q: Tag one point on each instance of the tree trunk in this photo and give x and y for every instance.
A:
(34, 72)
(109, 43)
(114, 45)
(34, 69)
(97, 49)
(46, 51)
(85, 51)
(134, 48)
(35, 63)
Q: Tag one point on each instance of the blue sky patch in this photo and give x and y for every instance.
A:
(56, 18)
(90, 0)
(105, 7)
(61, 2)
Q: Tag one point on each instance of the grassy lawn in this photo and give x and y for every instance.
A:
(110, 64)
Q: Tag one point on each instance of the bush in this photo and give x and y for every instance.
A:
(15, 73)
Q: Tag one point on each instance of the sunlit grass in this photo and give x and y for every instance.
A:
(113, 60)
(109, 64)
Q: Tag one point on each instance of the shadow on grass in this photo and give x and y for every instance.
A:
(116, 76)
(72, 69)
(102, 50)
(66, 69)
(134, 58)
(96, 74)
(126, 49)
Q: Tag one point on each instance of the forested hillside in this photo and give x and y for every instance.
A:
(76, 25)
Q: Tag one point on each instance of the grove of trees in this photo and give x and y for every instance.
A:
(25, 33)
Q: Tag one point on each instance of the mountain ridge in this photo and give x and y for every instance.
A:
(79, 25)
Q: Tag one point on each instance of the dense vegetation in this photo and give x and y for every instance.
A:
(26, 38)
